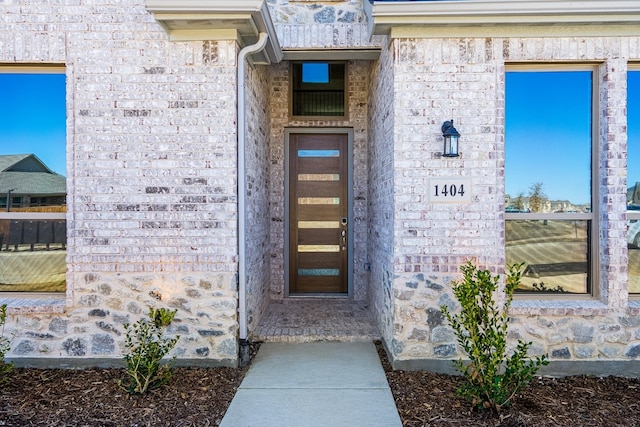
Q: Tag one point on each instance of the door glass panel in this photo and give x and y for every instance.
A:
(318, 248)
(318, 200)
(319, 177)
(318, 224)
(318, 153)
(318, 272)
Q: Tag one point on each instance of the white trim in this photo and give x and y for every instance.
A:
(214, 34)
(513, 30)
(505, 7)
(33, 215)
(186, 20)
(385, 15)
(203, 5)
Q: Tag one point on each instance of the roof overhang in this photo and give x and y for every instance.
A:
(241, 20)
(496, 18)
(331, 54)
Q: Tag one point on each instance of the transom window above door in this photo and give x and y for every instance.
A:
(318, 89)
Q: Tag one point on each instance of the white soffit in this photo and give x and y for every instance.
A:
(241, 20)
(504, 17)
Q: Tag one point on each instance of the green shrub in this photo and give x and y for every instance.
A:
(492, 378)
(146, 346)
(5, 368)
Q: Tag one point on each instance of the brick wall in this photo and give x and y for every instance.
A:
(258, 242)
(381, 214)
(151, 161)
(436, 80)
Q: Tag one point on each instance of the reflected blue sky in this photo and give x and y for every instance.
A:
(32, 117)
(548, 134)
(633, 126)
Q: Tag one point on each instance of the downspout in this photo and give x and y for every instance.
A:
(242, 192)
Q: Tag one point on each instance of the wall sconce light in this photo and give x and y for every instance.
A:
(450, 135)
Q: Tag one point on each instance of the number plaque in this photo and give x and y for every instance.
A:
(450, 190)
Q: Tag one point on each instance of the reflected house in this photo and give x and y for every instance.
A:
(28, 183)
(563, 206)
(32, 255)
(633, 196)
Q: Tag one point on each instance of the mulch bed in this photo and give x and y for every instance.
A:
(92, 397)
(427, 399)
(200, 397)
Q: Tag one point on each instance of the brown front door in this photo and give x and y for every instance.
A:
(318, 213)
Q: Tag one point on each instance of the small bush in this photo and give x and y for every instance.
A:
(492, 378)
(146, 347)
(5, 368)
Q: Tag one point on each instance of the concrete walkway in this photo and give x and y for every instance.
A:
(314, 384)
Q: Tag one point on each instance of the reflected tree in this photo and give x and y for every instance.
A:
(536, 197)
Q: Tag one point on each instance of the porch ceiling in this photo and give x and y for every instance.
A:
(502, 17)
(241, 20)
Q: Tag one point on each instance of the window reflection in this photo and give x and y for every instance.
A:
(32, 182)
(548, 141)
(548, 177)
(554, 254)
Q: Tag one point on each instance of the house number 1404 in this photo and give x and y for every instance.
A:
(450, 190)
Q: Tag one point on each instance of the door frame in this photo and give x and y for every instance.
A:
(350, 246)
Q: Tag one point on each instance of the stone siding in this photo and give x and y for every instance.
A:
(321, 25)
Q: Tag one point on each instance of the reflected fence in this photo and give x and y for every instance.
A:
(33, 251)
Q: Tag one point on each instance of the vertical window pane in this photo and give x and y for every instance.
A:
(548, 170)
(633, 179)
(32, 180)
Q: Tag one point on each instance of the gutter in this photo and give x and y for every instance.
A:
(242, 190)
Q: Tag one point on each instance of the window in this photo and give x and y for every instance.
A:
(633, 177)
(32, 179)
(318, 89)
(550, 223)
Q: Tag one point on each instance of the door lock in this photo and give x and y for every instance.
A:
(344, 221)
